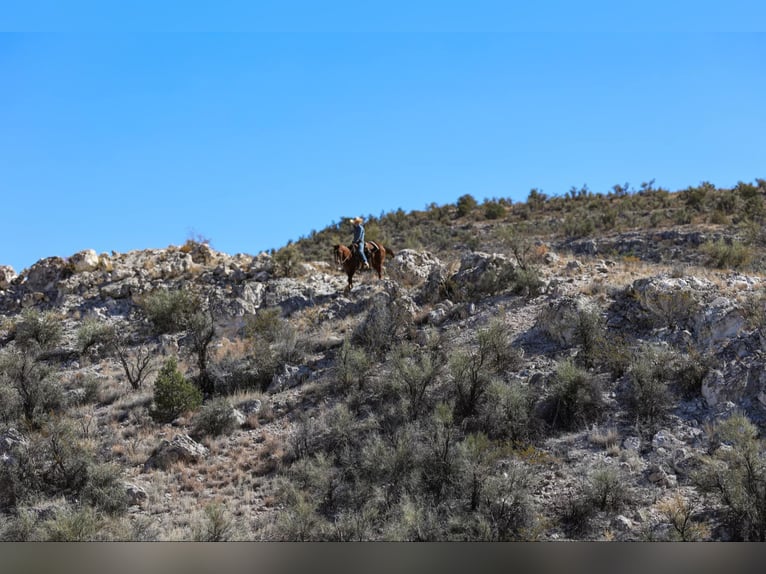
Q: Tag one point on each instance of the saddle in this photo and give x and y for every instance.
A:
(370, 248)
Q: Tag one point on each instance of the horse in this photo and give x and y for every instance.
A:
(351, 262)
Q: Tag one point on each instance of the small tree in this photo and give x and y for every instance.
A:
(137, 363)
(466, 204)
(173, 394)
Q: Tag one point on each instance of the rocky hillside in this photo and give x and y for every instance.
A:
(580, 367)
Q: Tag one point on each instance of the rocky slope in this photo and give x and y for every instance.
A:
(566, 303)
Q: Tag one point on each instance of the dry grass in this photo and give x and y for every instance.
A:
(606, 438)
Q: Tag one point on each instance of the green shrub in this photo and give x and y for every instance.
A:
(508, 413)
(287, 261)
(73, 524)
(736, 473)
(38, 395)
(173, 394)
(493, 210)
(470, 378)
(40, 330)
(465, 205)
(351, 367)
(217, 526)
(92, 333)
(265, 323)
(169, 310)
(386, 322)
(724, 254)
(576, 399)
(214, 419)
(415, 374)
(648, 397)
(104, 489)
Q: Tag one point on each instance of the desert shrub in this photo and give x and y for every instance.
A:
(265, 323)
(679, 513)
(754, 307)
(42, 330)
(688, 372)
(696, 197)
(613, 354)
(470, 379)
(590, 334)
(10, 406)
(493, 210)
(606, 489)
(274, 343)
(386, 321)
(214, 418)
(508, 507)
(477, 456)
(508, 413)
(577, 225)
(465, 205)
(93, 333)
(603, 489)
(216, 526)
(299, 521)
(168, 310)
(173, 394)
(495, 344)
(472, 370)
(736, 473)
(527, 282)
(73, 524)
(724, 254)
(104, 490)
(38, 395)
(287, 261)
(393, 461)
(439, 463)
(575, 399)
(415, 373)
(648, 396)
(351, 366)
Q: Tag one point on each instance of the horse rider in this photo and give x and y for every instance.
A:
(358, 239)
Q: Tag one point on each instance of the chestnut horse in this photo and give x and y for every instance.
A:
(351, 262)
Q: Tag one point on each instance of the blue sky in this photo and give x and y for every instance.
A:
(125, 128)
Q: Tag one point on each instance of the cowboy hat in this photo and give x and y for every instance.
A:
(356, 220)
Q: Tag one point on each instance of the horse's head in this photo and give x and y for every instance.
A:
(338, 253)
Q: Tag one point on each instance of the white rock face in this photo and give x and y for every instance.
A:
(720, 320)
(410, 266)
(87, 260)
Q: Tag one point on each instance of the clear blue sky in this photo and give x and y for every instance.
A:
(126, 127)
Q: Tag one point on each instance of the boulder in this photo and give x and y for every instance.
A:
(474, 265)
(136, 494)
(87, 260)
(412, 267)
(289, 377)
(45, 274)
(560, 320)
(7, 275)
(249, 407)
(720, 320)
(181, 449)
